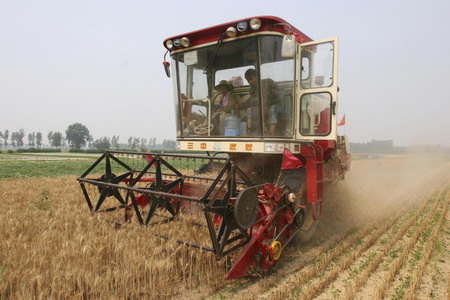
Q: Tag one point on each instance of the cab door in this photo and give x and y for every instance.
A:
(317, 90)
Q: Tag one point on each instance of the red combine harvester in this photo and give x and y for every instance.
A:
(259, 98)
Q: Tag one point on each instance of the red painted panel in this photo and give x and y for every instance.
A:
(212, 34)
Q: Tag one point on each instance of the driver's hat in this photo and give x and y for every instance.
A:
(224, 83)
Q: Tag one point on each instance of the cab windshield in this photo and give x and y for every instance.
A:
(242, 88)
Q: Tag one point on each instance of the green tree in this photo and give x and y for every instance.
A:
(17, 138)
(14, 139)
(152, 143)
(136, 142)
(77, 134)
(169, 145)
(50, 137)
(38, 139)
(90, 141)
(32, 139)
(5, 137)
(102, 143)
(143, 142)
(56, 139)
(115, 142)
(20, 136)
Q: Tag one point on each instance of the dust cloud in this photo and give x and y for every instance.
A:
(375, 189)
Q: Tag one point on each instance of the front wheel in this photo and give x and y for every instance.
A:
(309, 227)
(295, 179)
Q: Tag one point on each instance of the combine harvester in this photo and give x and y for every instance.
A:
(259, 98)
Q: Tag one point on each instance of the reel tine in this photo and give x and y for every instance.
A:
(119, 197)
(108, 171)
(159, 180)
(124, 165)
(136, 207)
(170, 208)
(169, 186)
(152, 210)
(93, 165)
(101, 198)
(120, 178)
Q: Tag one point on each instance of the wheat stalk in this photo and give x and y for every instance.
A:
(397, 264)
(312, 271)
(418, 273)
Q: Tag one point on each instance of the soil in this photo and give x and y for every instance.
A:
(373, 192)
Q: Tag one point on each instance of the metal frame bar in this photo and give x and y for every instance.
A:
(225, 239)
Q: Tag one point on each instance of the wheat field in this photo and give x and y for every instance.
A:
(52, 248)
(384, 236)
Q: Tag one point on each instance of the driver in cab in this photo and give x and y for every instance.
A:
(224, 103)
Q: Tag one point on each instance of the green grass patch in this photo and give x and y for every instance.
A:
(19, 165)
(38, 150)
(26, 169)
(12, 156)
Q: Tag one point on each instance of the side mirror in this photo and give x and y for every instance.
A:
(166, 65)
(288, 46)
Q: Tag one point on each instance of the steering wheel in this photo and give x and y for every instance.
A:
(200, 128)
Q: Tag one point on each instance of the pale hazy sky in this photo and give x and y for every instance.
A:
(100, 63)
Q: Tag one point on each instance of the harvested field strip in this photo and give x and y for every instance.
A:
(383, 289)
(436, 274)
(299, 284)
(315, 288)
(313, 270)
(339, 246)
(428, 248)
(327, 256)
(319, 266)
(381, 253)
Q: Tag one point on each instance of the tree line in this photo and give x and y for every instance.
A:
(374, 146)
(77, 136)
(387, 147)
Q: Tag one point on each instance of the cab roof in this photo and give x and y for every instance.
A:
(213, 33)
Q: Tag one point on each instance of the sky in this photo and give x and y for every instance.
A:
(99, 63)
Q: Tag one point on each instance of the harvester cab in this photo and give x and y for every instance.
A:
(253, 86)
(259, 99)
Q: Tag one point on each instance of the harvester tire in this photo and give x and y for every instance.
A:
(295, 179)
(308, 230)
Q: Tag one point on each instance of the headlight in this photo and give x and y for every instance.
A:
(242, 26)
(177, 42)
(231, 32)
(273, 147)
(169, 44)
(185, 42)
(255, 24)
